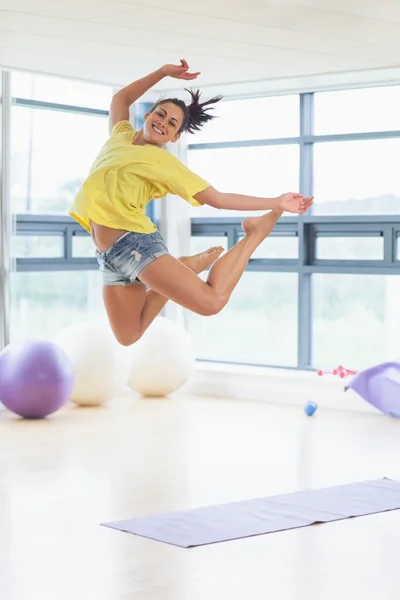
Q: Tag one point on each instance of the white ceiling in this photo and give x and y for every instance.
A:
(240, 46)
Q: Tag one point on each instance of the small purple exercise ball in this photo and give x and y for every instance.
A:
(36, 378)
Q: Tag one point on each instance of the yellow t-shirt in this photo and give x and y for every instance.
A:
(125, 177)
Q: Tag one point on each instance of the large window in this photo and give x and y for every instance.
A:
(57, 129)
(252, 119)
(258, 325)
(323, 289)
(258, 171)
(357, 177)
(357, 111)
(47, 89)
(45, 302)
(355, 319)
(51, 154)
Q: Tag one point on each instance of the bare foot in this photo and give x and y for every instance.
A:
(262, 226)
(199, 262)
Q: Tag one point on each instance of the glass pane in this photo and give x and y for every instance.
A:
(354, 111)
(252, 119)
(37, 246)
(51, 154)
(267, 171)
(357, 178)
(44, 303)
(349, 248)
(398, 247)
(60, 91)
(199, 243)
(275, 246)
(82, 246)
(356, 320)
(258, 326)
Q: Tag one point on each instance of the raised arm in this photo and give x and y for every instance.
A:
(124, 98)
(289, 202)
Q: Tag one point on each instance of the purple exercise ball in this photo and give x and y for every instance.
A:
(36, 378)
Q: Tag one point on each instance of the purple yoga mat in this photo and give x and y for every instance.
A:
(213, 524)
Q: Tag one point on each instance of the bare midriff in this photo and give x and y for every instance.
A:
(104, 237)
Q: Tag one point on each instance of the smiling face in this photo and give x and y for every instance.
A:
(163, 123)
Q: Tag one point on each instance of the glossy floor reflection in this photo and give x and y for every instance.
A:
(61, 477)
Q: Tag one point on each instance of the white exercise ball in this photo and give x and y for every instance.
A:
(162, 360)
(101, 364)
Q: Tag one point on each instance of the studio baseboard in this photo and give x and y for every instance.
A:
(273, 385)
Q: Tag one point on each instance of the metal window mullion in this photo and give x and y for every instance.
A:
(344, 263)
(248, 364)
(68, 241)
(5, 210)
(66, 108)
(54, 220)
(36, 232)
(389, 245)
(232, 235)
(244, 144)
(359, 269)
(304, 313)
(138, 111)
(307, 137)
(349, 231)
(358, 221)
(304, 309)
(306, 242)
(288, 223)
(306, 144)
(353, 137)
(260, 266)
(55, 264)
(209, 230)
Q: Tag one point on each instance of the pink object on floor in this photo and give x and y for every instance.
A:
(339, 371)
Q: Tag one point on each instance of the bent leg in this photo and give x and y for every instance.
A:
(131, 309)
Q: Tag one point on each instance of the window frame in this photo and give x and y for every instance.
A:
(308, 227)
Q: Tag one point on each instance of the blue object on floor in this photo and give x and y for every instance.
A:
(310, 408)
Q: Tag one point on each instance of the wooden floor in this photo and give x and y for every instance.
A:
(61, 477)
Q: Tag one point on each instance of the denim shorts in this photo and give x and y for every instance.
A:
(131, 253)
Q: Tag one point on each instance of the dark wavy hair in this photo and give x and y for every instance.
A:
(195, 114)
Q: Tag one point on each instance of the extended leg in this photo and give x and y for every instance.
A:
(171, 279)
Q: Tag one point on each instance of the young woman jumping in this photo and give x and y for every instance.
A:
(132, 168)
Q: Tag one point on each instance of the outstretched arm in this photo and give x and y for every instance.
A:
(124, 98)
(290, 202)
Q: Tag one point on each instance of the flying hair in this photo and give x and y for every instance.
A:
(196, 113)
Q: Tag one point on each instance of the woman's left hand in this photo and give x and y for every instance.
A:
(294, 203)
(179, 71)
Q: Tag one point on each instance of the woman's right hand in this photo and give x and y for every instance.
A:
(179, 71)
